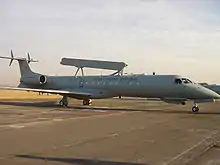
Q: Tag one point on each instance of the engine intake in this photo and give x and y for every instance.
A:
(43, 79)
(35, 80)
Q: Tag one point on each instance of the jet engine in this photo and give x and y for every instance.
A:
(43, 79)
(35, 80)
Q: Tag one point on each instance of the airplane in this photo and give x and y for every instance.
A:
(168, 88)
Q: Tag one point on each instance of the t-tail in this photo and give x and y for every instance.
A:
(25, 69)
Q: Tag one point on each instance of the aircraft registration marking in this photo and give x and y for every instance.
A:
(116, 78)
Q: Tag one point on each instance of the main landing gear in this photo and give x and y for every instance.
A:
(87, 101)
(64, 101)
(195, 108)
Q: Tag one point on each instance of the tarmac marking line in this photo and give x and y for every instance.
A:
(202, 146)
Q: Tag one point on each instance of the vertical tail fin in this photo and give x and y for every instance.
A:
(25, 69)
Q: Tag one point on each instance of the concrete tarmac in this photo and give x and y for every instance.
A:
(111, 131)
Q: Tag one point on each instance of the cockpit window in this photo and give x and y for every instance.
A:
(186, 81)
(178, 81)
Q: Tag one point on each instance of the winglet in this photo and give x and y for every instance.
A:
(29, 58)
(12, 58)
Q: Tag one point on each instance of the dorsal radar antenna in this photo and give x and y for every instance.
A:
(12, 58)
(80, 64)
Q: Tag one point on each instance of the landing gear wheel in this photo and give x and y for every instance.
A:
(64, 102)
(61, 103)
(87, 102)
(195, 109)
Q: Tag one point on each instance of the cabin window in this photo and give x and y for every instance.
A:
(178, 81)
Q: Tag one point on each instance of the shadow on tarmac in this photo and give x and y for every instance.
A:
(53, 104)
(78, 161)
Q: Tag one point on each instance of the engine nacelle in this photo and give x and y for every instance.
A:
(43, 79)
(35, 80)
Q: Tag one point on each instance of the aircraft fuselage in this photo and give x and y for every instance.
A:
(148, 86)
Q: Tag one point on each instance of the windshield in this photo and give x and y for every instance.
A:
(186, 81)
(182, 80)
(178, 81)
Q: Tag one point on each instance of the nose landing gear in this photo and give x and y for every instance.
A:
(195, 108)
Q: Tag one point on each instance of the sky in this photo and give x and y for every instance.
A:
(162, 36)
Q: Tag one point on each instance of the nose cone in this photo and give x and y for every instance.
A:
(205, 93)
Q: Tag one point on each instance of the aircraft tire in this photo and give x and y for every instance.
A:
(90, 102)
(195, 109)
(63, 102)
(84, 102)
(87, 102)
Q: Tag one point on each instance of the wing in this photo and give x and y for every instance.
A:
(78, 95)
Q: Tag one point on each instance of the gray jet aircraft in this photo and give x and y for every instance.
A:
(168, 88)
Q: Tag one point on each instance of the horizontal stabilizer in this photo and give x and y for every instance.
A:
(29, 59)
